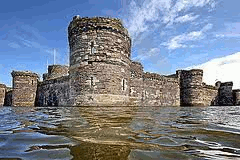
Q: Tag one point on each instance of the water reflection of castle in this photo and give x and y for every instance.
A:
(101, 73)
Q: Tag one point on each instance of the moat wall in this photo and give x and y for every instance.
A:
(99, 62)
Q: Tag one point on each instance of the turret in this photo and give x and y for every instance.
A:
(99, 61)
(24, 88)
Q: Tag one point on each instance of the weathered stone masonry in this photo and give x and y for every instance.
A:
(24, 88)
(101, 73)
(99, 62)
(2, 93)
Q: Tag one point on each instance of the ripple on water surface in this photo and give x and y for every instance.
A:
(120, 132)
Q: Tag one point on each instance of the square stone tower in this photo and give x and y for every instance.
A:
(24, 88)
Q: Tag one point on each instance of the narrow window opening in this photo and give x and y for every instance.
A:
(32, 82)
(123, 84)
(91, 81)
(93, 50)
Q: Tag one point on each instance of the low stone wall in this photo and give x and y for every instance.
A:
(54, 92)
(2, 94)
(160, 90)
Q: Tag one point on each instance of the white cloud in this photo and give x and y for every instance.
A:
(14, 45)
(159, 11)
(139, 15)
(186, 18)
(221, 69)
(184, 6)
(152, 52)
(181, 40)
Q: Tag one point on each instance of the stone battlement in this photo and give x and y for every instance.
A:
(155, 76)
(24, 73)
(226, 84)
(192, 72)
(97, 23)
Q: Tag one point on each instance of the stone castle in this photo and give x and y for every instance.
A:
(101, 73)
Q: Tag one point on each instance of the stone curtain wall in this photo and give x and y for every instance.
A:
(210, 94)
(191, 87)
(99, 62)
(136, 84)
(160, 90)
(24, 88)
(2, 94)
(53, 92)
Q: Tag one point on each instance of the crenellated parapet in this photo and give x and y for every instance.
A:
(84, 24)
(24, 74)
(158, 77)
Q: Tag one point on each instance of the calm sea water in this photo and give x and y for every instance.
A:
(134, 133)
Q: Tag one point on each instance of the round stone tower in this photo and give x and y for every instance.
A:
(24, 88)
(191, 87)
(2, 93)
(99, 61)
